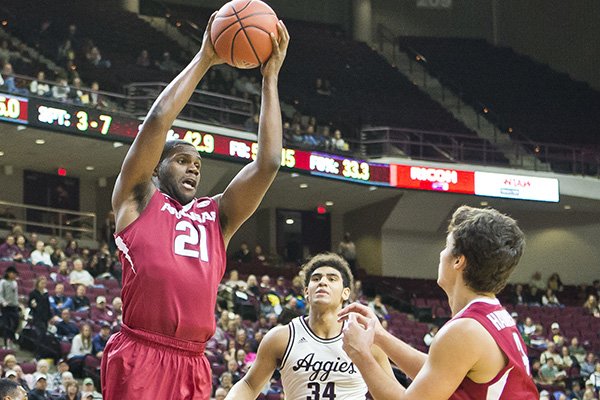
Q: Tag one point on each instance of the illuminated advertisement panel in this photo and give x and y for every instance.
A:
(429, 178)
(516, 186)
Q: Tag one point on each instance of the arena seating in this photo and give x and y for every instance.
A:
(527, 96)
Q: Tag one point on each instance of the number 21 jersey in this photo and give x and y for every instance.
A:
(173, 259)
(318, 369)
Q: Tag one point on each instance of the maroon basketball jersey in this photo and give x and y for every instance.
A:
(514, 382)
(173, 260)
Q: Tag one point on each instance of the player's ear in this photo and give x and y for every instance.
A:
(460, 262)
(346, 294)
(155, 172)
(306, 293)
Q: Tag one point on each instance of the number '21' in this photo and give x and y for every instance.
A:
(328, 392)
(191, 238)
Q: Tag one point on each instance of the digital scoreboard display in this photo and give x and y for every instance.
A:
(89, 122)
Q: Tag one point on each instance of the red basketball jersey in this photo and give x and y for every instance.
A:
(173, 260)
(514, 382)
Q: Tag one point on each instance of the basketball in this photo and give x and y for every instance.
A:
(240, 33)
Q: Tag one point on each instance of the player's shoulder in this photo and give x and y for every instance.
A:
(275, 341)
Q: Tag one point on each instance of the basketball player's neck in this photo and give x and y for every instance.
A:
(324, 323)
(459, 297)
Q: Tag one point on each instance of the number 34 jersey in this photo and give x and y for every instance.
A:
(173, 259)
(313, 368)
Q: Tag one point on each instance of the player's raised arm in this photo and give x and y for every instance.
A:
(245, 192)
(269, 354)
(134, 187)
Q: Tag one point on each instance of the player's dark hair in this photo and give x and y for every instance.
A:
(492, 244)
(328, 260)
(170, 145)
(8, 388)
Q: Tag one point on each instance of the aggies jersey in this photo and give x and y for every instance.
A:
(313, 368)
(514, 382)
(173, 259)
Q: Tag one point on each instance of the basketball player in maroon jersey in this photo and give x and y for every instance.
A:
(479, 353)
(173, 245)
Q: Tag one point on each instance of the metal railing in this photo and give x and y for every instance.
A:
(54, 221)
(460, 148)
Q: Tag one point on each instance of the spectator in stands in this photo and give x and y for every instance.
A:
(62, 276)
(595, 377)
(537, 340)
(96, 99)
(588, 366)
(591, 306)
(56, 378)
(289, 311)
(252, 286)
(39, 255)
(65, 52)
(378, 307)
(76, 94)
(10, 389)
(167, 63)
(89, 390)
(94, 57)
(576, 350)
(39, 87)
(71, 391)
(39, 303)
(9, 300)
(57, 256)
(80, 300)
(66, 329)
(80, 347)
(536, 281)
(100, 339)
(575, 392)
(555, 335)
(528, 327)
(555, 283)
(9, 81)
(549, 299)
(23, 248)
(550, 374)
(322, 87)
(533, 296)
(39, 392)
(9, 251)
(251, 124)
(4, 52)
(79, 276)
(244, 254)
(338, 142)
(567, 359)
(117, 308)
(357, 291)
(58, 301)
(61, 91)
(551, 353)
(143, 60)
(517, 297)
(42, 368)
(102, 313)
(428, 338)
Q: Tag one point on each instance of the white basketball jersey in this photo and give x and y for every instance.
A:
(318, 369)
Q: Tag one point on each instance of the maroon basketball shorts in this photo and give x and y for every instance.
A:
(142, 365)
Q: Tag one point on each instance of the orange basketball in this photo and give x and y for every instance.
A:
(240, 33)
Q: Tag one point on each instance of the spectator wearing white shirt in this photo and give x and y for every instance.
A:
(39, 255)
(79, 276)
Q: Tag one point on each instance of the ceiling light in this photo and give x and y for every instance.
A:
(117, 144)
(89, 168)
(484, 203)
(21, 127)
(567, 207)
(294, 174)
(1, 153)
(40, 141)
(372, 188)
(329, 203)
(289, 221)
(303, 185)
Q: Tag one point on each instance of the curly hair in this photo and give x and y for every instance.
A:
(492, 244)
(328, 260)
